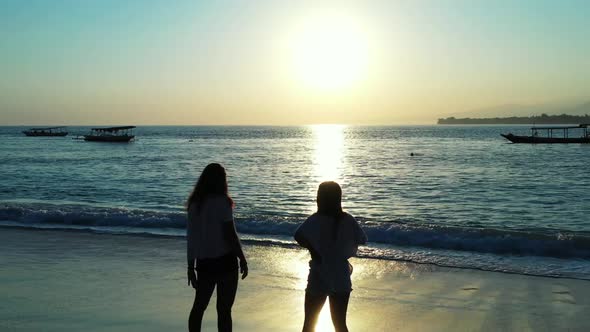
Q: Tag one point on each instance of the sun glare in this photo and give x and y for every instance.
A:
(324, 323)
(328, 152)
(330, 52)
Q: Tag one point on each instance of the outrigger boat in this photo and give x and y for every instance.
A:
(550, 138)
(48, 131)
(111, 134)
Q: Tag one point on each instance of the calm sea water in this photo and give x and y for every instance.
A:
(466, 198)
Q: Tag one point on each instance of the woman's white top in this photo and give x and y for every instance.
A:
(334, 268)
(204, 231)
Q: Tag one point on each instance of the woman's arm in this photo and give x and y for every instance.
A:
(190, 258)
(190, 238)
(360, 235)
(190, 261)
(231, 235)
(302, 241)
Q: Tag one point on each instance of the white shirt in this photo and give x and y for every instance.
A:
(204, 231)
(334, 269)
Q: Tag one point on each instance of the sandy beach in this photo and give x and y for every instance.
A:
(73, 281)
(455, 135)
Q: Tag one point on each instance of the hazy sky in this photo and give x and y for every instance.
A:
(285, 62)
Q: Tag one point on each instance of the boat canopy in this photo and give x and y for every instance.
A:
(585, 125)
(113, 129)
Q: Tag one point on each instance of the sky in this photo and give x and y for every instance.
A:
(286, 62)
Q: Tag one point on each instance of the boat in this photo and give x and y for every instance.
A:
(111, 134)
(550, 138)
(47, 131)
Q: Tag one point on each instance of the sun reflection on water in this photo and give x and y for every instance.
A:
(328, 163)
(328, 152)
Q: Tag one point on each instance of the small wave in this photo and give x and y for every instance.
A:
(502, 242)
(90, 216)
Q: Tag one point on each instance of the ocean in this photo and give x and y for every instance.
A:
(457, 196)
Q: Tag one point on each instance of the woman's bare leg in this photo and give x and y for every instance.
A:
(203, 294)
(338, 308)
(313, 306)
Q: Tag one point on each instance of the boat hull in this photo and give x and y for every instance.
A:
(33, 134)
(545, 140)
(114, 139)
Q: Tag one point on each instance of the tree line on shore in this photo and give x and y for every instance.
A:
(535, 119)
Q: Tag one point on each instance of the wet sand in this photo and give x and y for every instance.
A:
(73, 281)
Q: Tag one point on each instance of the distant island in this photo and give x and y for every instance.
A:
(537, 119)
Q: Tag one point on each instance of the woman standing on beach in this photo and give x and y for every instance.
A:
(332, 236)
(213, 248)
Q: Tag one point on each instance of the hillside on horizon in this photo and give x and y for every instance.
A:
(526, 110)
(534, 120)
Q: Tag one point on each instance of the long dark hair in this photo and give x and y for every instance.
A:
(213, 181)
(329, 202)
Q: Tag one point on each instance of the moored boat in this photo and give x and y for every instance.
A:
(550, 137)
(111, 134)
(46, 132)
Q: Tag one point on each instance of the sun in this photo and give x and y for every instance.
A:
(329, 52)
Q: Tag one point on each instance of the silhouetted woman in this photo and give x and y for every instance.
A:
(332, 236)
(213, 248)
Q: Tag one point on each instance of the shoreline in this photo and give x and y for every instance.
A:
(280, 244)
(70, 281)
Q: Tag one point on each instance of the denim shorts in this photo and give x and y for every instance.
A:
(218, 265)
(317, 284)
